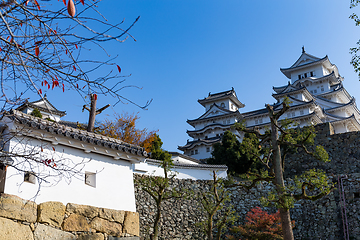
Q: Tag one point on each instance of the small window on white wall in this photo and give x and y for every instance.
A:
(90, 179)
(207, 149)
(29, 177)
(222, 104)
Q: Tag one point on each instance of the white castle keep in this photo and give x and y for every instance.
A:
(316, 93)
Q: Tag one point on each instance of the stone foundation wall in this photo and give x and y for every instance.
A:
(343, 150)
(21, 219)
(322, 219)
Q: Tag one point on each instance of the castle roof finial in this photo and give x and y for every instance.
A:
(303, 49)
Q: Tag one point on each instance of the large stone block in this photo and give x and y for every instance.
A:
(76, 223)
(43, 232)
(85, 210)
(123, 238)
(105, 226)
(10, 230)
(13, 207)
(91, 236)
(52, 213)
(131, 223)
(112, 215)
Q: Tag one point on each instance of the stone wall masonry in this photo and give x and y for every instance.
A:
(322, 219)
(343, 150)
(22, 219)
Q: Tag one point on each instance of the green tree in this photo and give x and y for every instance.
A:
(237, 156)
(355, 59)
(216, 204)
(159, 188)
(281, 139)
(36, 113)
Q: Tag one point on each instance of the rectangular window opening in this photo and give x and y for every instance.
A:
(29, 177)
(90, 179)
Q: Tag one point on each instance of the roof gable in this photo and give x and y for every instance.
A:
(42, 104)
(213, 111)
(305, 58)
(212, 98)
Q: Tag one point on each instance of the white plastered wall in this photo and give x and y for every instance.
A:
(114, 178)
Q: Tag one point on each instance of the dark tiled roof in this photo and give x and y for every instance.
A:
(185, 156)
(77, 134)
(351, 103)
(228, 113)
(44, 109)
(210, 125)
(222, 95)
(205, 141)
(286, 71)
(76, 125)
(196, 166)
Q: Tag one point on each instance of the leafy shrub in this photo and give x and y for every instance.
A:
(259, 225)
(36, 113)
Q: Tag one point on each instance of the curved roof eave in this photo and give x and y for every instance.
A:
(287, 71)
(352, 117)
(313, 114)
(330, 75)
(190, 121)
(195, 166)
(77, 134)
(351, 103)
(336, 91)
(206, 142)
(222, 95)
(208, 126)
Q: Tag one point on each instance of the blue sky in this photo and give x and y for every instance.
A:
(186, 49)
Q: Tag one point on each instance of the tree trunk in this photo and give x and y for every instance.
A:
(210, 227)
(155, 234)
(92, 113)
(286, 224)
(279, 180)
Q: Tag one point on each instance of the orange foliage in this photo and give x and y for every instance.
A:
(123, 127)
(260, 225)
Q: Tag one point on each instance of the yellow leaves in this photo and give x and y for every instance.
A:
(124, 128)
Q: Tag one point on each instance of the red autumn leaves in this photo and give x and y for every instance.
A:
(49, 162)
(70, 5)
(37, 51)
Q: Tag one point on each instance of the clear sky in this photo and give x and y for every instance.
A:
(186, 49)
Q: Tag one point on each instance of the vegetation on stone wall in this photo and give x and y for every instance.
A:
(275, 144)
(238, 157)
(180, 216)
(159, 187)
(215, 203)
(259, 225)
